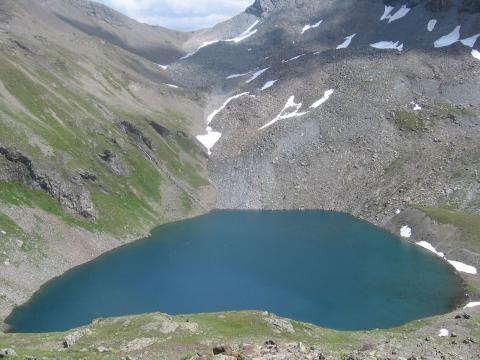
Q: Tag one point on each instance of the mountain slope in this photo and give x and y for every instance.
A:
(92, 136)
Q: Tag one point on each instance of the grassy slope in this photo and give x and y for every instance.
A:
(67, 119)
(213, 329)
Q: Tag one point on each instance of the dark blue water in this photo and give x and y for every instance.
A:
(325, 268)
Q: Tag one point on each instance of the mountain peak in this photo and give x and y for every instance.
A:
(262, 7)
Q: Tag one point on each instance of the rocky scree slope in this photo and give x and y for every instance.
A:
(366, 107)
(96, 139)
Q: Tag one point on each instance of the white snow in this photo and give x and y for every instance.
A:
(456, 264)
(257, 74)
(406, 231)
(347, 42)
(268, 84)
(449, 39)
(246, 34)
(215, 112)
(429, 247)
(400, 13)
(416, 107)
(293, 58)
(308, 27)
(3, 232)
(325, 97)
(173, 86)
(443, 332)
(476, 54)
(470, 41)
(463, 267)
(233, 76)
(387, 45)
(431, 25)
(472, 305)
(206, 43)
(386, 13)
(286, 115)
(397, 211)
(209, 139)
(164, 67)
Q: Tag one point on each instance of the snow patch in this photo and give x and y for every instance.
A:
(308, 27)
(463, 267)
(215, 112)
(472, 304)
(416, 107)
(347, 42)
(233, 76)
(429, 247)
(449, 39)
(431, 25)
(387, 12)
(164, 67)
(268, 84)
(256, 75)
(470, 41)
(387, 45)
(206, 43)
(209, 139)
(397, 211)
(173, 86)
(325, 97)
(3, 232)
(400, 13)
(286, 115)
(293, 58)
(246, 34)
(476, 54)
(406, 231)
(443, 333)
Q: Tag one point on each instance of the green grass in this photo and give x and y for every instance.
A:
(469, 226)
(407, 120)
(23, 195)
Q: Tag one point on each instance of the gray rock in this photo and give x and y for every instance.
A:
(7, 352)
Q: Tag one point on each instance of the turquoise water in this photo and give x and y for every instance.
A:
(325, 268)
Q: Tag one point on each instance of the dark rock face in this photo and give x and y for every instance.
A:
(112, 162)
(262, 7)
(135, 134)
(161, 130)
(16, 167)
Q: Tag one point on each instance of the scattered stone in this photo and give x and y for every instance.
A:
(139, 344)
(280, 325)
(162, 323)
(222, 349)
(7, 352)
(249, 349)
(73, 337)
(102, 349)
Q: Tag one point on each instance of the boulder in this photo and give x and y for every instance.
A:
(7, 352)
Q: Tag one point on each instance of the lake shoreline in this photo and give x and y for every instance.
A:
(388, 228)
